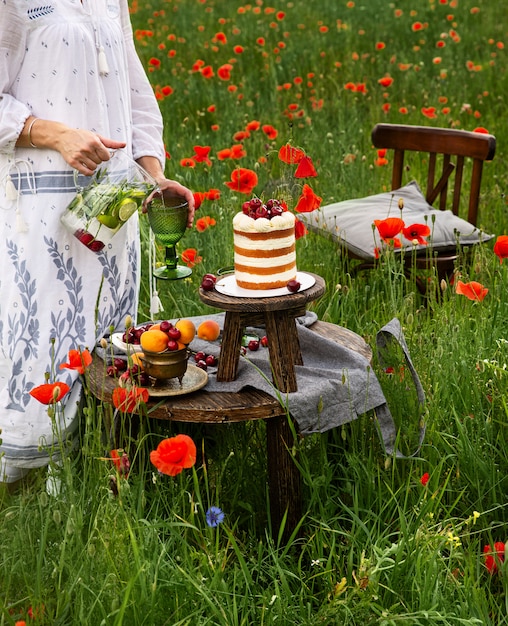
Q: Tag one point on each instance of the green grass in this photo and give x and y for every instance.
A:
(375, 545)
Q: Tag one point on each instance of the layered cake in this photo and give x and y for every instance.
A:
(264, 245)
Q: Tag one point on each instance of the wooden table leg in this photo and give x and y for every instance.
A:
(283, 476)
(227, 369)
(282, 336)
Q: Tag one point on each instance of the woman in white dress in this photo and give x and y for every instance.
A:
(72, 88)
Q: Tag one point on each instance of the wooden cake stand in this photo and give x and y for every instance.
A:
(278, 315)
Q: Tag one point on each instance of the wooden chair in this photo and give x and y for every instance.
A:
(453, 160)
(450, 153)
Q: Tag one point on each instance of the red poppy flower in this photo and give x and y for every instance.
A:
(300, 229)
(204, 222)
(305, 168)
(78, 361)
(174, 454)
(213, 194)
(129, 399)
(224, 154)
(270, 131)
(429, 112)
(243, 180)
(241, 135)
(308, 201)
(386, 81)
(417, 232)
(207, 71)
(481, 130)
(121, 462)
(389, 228)
(190, 257)
(253, 125)
(153, 62)
(501, 247)
(425, 479)
(289, 154)
(50, 393)
(201, 154)
(224, 71)
(472, 290)
(199, 196)
(494, 556)
(187, 162)
(237, 151)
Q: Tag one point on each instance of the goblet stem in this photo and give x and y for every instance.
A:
(171, 258)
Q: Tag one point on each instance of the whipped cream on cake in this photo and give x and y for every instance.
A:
(264, 247)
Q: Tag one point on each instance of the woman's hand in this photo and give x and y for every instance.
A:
(82, 149)
(169, 188)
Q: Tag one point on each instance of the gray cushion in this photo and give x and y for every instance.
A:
(350, 223)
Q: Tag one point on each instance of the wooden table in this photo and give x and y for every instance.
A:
(278, 315)
(205, 407)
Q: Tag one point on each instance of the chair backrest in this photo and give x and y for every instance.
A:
(452, 147)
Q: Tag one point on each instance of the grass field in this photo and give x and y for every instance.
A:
(383, 541)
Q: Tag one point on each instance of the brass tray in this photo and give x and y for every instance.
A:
(194, 378)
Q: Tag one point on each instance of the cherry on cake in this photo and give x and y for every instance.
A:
(264, 245)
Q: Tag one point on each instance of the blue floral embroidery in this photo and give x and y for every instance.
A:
(68, 327)
(123, 299)
(23, 330)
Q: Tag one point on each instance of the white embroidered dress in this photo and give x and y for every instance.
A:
(55, 294)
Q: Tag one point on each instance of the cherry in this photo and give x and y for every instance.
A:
(211, 277)
(264, 341)
(293, 286)
(254, 203)
(174, 333)
(96, 245)
(199, 356)
(207, 284)
(253, 345)
(111, 371)
(211, 360)
(120, 364)
(85, 237)
(202, 365)
(173, 345)
(166, 326)
(261, 212)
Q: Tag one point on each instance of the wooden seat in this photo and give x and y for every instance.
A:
(454, 161)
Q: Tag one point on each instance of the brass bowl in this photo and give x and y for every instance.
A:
(167, 364)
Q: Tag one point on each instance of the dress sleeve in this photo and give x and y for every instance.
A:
(13, 113)
(146, 116)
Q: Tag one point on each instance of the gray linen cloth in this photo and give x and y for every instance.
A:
(335, 384)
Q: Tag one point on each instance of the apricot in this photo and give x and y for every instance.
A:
(154, 340)
(188, 330)
(209, 330)
(136, 359)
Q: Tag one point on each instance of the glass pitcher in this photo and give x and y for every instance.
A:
(101, 206)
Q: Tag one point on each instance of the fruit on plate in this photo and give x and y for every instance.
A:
(293, 286)
(208, 282)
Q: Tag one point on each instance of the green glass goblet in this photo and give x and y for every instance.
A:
(168, 221)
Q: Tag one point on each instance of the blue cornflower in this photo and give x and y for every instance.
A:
(214, 516)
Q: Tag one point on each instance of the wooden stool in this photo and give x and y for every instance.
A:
(278, 316)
